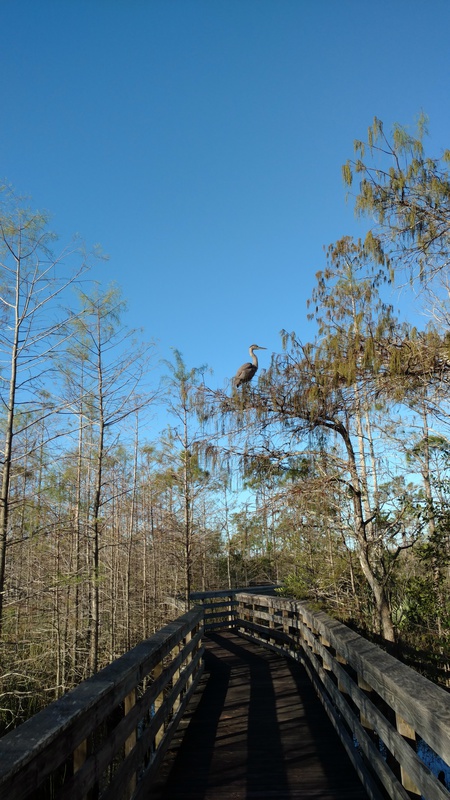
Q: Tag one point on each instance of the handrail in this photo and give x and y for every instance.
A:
(378, 706)
(109, 734)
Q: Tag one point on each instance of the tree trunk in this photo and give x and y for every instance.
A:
(364, 545)
(95, 566)
(7, 458)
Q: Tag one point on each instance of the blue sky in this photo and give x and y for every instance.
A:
(200, 142)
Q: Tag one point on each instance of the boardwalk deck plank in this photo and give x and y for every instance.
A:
(255, 730)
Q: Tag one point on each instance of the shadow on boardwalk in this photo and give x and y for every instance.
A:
(255, 729)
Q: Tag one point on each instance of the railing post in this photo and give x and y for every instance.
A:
(317, 641)
(80, 755)
(305, 641)
(190, 680)
(129, 703)
(408, 733)
(366, 689)
(240, 613)
(251, 611)
(157, 671)
(202, 602)
(324, 641)
(341, 660)
(285, 625)
(230, 610)
(174, 653)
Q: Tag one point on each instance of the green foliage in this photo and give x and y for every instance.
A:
(296, 586)
(407, 194)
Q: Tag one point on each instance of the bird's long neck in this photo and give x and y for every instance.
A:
(254, 358)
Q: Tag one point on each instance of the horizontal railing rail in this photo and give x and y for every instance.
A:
(106, 738)
(386, 714)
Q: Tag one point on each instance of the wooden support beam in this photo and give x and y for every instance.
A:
(80, 755)
(187, 639)
(324, 641)
(408, 733)
(367, 689)
(159, 699)
(341, 660)
(129, 703)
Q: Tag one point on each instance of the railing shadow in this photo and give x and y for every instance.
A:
(341, 778)
(194, 756)
(265, 767)
(304, 751)
(258, 730)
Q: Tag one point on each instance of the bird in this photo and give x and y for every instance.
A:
(247, 371)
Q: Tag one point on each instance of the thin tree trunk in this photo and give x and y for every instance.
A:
(95, 573)
(187, 513)
(131, 524)
(78, 555)
(7, 457)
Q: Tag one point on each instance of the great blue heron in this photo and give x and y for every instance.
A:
(246, 372)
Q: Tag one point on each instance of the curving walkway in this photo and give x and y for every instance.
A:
(255, 730)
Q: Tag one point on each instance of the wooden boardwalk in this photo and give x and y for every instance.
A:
(255, 729)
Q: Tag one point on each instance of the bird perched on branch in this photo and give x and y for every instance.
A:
(248, 370)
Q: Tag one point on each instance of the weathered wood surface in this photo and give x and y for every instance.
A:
(97, 723)
(220, 606)
(388, 698)
(255, 730)
(268, 588)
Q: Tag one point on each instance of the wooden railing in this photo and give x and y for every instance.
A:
(219, 607)
(382, 710)
(108, 735)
